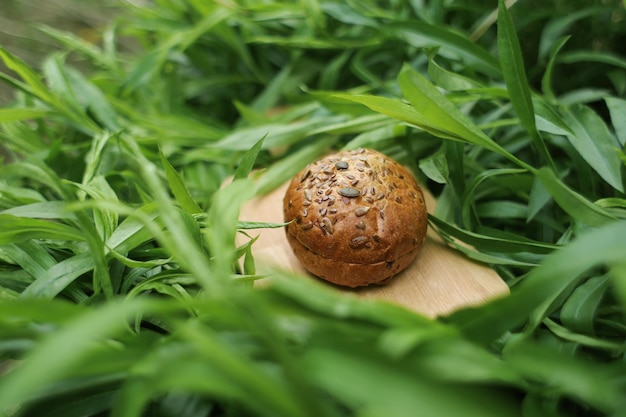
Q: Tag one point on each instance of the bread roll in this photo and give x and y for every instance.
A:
(356, 217)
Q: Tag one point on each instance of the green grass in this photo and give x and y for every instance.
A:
(123, 293)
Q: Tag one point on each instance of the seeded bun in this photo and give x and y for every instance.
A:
(356, 218)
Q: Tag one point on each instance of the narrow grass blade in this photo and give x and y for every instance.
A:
(19, 137)
(178, 187)
(548, 119)
(79, 44)
(180, 243)
(514, 74)
(56, 72)
(43, 210)
(449, 80)
(276, 134)
(468, 197)
(15, 229)
(537, 199)
(94, 100)
(491, 243)
(546, 80)
(16, 114)
(593, 56)
(94, 156)
(77, 336)
(398, 110)
(30, 77)
(554, 275)
(617, 109)
(247, 161)
(438, 112)
(246, 225)
(133, 231)
(579, 311)
(559, 25)
(222, 219)
(572, 202)
(58, 277)
(31, 256)
(617, 273)
(490, 258)
(424, 35)
(594, 383)
(144, 70)
(151, 63)
(105, 220)
(348, 376)
(595, 143)
(15, 197)
(33, 85)
(435, 166)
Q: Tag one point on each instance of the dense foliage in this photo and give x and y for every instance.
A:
(122, 291)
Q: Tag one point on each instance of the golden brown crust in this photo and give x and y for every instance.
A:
(354, 213)
(350, 274)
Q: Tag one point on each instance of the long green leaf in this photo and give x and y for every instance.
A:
(595, 143)
(572, 202)
(350, 375)
(593, 56)
(58, 277)
(546, 80)
(247, 161)
(513, 68)
(31, 256)
(491, 243)
(77, 43)
(30, 77)
(223, 217)
(425, 35)
(43, 210)
(581, 379)
(438, 112)
(579, 310)
(178, 187)
(20, 113)
(617, 107)
(554, 275)
(514, 74)
(15, 229)
(77, 336)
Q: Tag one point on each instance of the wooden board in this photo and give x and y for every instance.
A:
(438, 282)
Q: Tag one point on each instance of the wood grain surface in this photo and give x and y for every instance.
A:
(439, 281)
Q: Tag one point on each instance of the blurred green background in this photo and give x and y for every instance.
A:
(19, 20)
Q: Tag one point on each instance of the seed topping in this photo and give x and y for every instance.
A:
(349, 192)
(361, 211)
(327, 225)
(358, 242)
